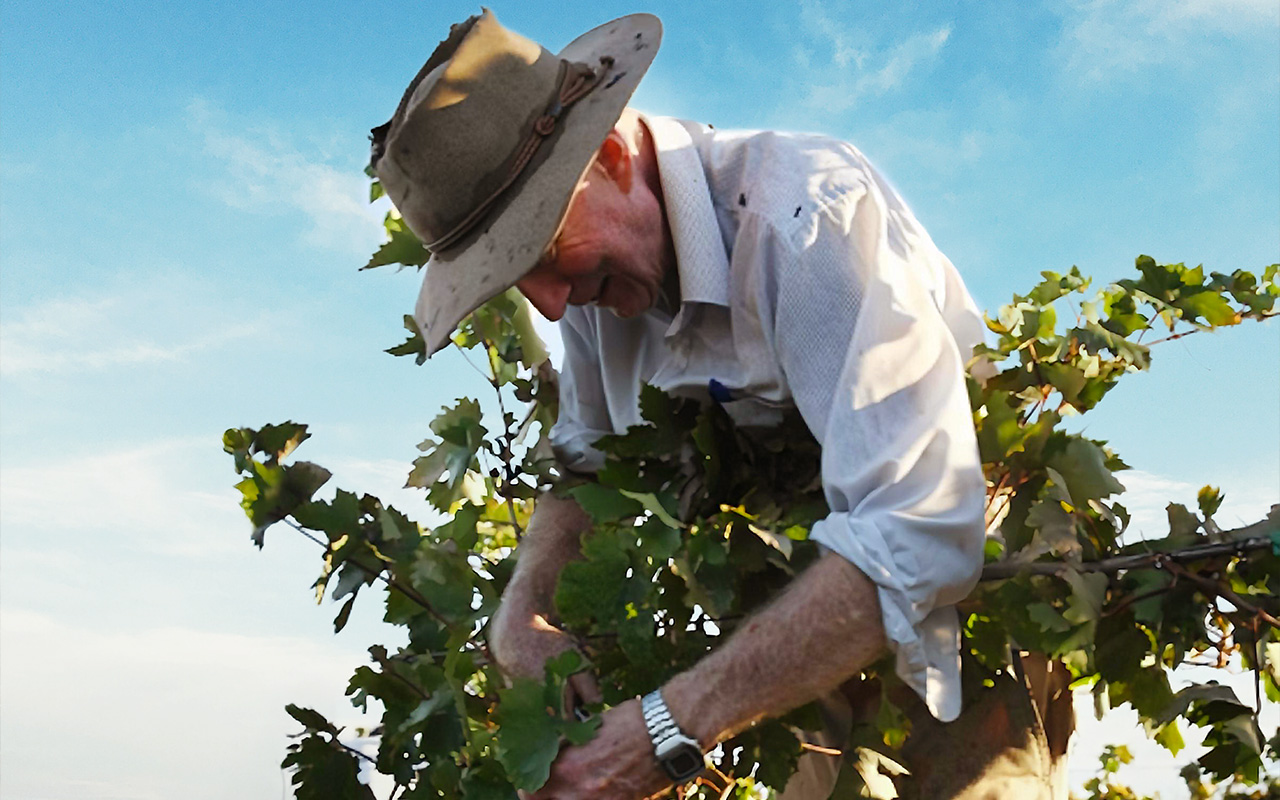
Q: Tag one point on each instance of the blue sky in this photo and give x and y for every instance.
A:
(182, 212)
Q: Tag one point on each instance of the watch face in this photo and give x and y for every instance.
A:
(683, 763)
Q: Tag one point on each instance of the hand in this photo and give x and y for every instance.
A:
(523, 642)
(618, 764)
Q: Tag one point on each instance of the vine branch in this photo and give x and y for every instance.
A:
(1007, 569)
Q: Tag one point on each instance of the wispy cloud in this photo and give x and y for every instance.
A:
(170, 497)
(942, 142)
(154, 696)
(1148, 495)
(267, 173)
(156, 497)
(1102, 39)
(150, 322)
(860, 68)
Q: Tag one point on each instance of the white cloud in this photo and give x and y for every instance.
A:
(1147, 496)
(817, 22)
(156, 712)
(158, 498)
(1104, 38)
(150, 323)
(860, 71)
(266, 173)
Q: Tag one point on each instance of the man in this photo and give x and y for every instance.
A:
(759, 270)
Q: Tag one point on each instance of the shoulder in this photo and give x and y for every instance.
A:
(789, 183)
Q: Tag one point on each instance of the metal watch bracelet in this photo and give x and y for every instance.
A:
(679, 755)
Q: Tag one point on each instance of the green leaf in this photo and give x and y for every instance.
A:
(1082, 464)
(1184, 527)
(1047, 617)
(772, 746)
(278, 441)
(592, 587)
(1069, 380)
(1212, 306)
(415, 345)
(1209, 500)
(324, 771)
(344, 614)
(1055, 286)
(1220, 701)
(999, 432)
(310, 719)
(402, 246)
(1120, 647)
(1148, 692)
(1088, 590)
(1170, 737)
(530, 725)
(444, 467)
(1097, 338)
(651, 504)
(272, 493)
(1055, 531)
(336, 519)
(445, 579)
(605, 504)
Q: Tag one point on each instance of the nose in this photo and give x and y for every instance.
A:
(548, 293)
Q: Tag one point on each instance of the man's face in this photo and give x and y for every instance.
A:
(610, 250)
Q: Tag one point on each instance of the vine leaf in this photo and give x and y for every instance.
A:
(402, 246)
(654, 506)
(1083, 465)
(531, 728)
(322, 768)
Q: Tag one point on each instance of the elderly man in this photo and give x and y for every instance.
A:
(759, 270)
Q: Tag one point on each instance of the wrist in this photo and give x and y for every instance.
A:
(679, 755)
(689, 703)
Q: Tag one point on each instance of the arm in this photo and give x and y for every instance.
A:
(523, 635)
(862, 331)
(824, 628)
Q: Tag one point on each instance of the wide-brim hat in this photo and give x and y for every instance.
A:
(487, 145)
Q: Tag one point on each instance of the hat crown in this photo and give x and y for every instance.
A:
(487, 145)
(452, 140)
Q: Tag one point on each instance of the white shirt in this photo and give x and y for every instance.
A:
(805, 280)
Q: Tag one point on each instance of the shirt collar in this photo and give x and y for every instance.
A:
(695, 232)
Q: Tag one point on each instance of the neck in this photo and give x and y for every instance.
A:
(646, 165)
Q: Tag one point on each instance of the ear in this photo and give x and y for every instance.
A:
(617, 160)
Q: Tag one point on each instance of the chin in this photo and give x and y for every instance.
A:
(631, 310)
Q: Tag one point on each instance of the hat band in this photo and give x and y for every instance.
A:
(576, 80)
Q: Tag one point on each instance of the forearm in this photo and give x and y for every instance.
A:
(522, 633)
(551, 542)
(822, 630)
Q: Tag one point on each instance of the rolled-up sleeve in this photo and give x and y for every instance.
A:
(860, 329)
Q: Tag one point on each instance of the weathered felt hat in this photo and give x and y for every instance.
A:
(486, 147)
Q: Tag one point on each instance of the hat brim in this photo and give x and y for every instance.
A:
(511, 240)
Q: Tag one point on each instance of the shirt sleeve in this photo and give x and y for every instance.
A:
(860, 331)
(584, 410)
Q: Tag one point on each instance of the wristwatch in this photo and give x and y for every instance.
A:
(680, 756)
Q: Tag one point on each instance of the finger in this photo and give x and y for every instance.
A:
(586, 687)
(570, 700)
(579, 690)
